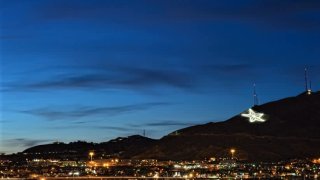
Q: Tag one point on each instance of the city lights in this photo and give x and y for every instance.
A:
(159, 90)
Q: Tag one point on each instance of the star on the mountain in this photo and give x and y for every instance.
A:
(253, 116)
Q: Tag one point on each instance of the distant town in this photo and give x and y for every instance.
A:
(159, 89)
(288, 150)
(99, 166)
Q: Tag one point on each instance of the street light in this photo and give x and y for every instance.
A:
(91, 154)
(232, 151)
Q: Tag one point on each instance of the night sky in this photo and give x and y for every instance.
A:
(96, 70)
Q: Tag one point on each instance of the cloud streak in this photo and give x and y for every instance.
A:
(135, 79)
(23, 142)
(114, 128)
(100, 127)
(169, 123)
(80, 112)
(164, 124)
(144, 80)
(286, 13)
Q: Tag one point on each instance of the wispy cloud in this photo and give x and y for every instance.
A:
(4, 121)
(96, 127)
(135, 79)
(164, 123)
(79, 112)
(114, 128)
(229, 69)
(23, 142)
(146, 80)
(286, 13)
(170, 123)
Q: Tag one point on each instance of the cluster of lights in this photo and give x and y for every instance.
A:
(316, 161)
(309, 92)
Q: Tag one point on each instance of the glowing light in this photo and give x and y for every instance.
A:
(91, 154)
(253, 116)
(309, 91)
(190, 175)
(232, 151)
(156, 175)
(316, 161)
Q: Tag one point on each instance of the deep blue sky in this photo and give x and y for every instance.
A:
(96, 70)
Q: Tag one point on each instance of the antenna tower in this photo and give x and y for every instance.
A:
(255, 96)
(306, 78)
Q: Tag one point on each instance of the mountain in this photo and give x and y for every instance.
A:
(127, 147)
(291, 130)
(123, 147)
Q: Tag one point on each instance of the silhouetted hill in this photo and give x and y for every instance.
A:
(60, 147)
(127, 147)
(291, 130)
(124, 147)
(295, 117)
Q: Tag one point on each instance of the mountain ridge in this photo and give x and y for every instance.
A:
(124, 147)
(291, 130)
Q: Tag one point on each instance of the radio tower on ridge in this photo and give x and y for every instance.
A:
(255, 96)
(307, 89)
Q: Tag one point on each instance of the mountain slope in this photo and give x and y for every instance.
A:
(291, 130)
(296, 116)
(124, 147)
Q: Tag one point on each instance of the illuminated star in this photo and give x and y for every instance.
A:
(253, 116)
